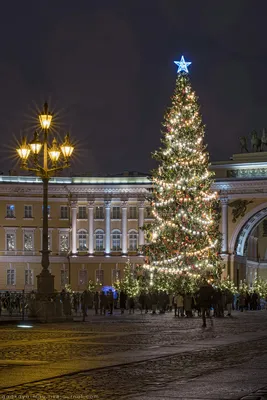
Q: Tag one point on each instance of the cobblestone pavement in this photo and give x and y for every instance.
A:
(99, 358)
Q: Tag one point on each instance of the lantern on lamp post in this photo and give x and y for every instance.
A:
(54, 158)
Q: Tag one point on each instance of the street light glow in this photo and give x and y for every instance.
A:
(45, 118)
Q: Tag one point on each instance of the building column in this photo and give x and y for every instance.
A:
(74, 227)
(224, 203)
(91, 227)
(124, 227)
(141, 235)
(107, 230)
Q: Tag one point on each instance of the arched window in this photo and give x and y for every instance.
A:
(82, 240)
(99, 240)
(116, 240)
(133, 239)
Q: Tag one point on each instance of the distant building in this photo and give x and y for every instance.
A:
(94, 224)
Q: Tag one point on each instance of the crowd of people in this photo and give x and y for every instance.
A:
(205, 301)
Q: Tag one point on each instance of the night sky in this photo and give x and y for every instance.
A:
(106, 68)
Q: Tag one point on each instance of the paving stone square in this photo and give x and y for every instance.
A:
(136, 357)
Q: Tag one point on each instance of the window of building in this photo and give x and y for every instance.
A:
(149, 212)
(83, 277)
(27, 211)
(28, 241)
(116, 240)
(99, 212)
(49, 242)
(116, 275)
(133, 238)
(82, 240)
(116, 212)
(11, 276)
(63, 242)
(99, 276)
(11, 241)
(10, 211)
(99, 240)
(28, 277)
(49, 239)
(64, 277)
(264, 227)
(63, 212)
(133, 212)
(48, 211)
(82, 212)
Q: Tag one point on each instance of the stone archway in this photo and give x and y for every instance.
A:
(245, 227)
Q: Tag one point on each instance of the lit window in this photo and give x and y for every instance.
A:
(82, 212)
(27, 211)
(28, 277)
(116, 240)
(99, 213)
(11, 277)
(133, 213)
(28, 241)
(64, 278)
(116, 212)
(10, 211)
(83, 277)
(116, 275)
(82, 239)
(10, 241)
(99, 240)
(99, 276)
(64, 242)
(63, 212)
(132, 240)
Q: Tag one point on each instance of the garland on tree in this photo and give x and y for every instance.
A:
(184, 237)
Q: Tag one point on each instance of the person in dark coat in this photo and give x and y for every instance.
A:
(103, 303)
(123, 298)
(110, 301)
(85, 302)
(206, 293)
(96, 302)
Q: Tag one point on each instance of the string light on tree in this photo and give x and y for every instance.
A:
(184, 236)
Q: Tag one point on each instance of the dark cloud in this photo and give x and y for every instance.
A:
(107, 68)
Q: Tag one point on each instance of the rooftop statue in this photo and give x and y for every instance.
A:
(255, 142)
(263, 140)
(243, 143)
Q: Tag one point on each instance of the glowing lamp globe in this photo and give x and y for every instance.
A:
(66, 147)
(35, 144)
(45, 118)
(54, 152)
(24, 150)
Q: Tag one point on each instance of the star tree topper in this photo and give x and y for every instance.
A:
(182, 65)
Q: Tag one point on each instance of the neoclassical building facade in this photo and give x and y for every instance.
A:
(94, 224)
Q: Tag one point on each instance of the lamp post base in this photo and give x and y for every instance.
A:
(45, 283)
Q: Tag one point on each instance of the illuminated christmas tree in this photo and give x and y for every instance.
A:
(184, 238)
(129, 284)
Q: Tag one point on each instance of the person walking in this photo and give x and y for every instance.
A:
(103, 303)
(123, 298)
(229, 301)
(188, 305)
(110, 301)
(85, 302)
(96, 302)
(205, 301)
(180, 305)
(242, 302)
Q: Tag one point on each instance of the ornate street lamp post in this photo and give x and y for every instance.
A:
(55, 158)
